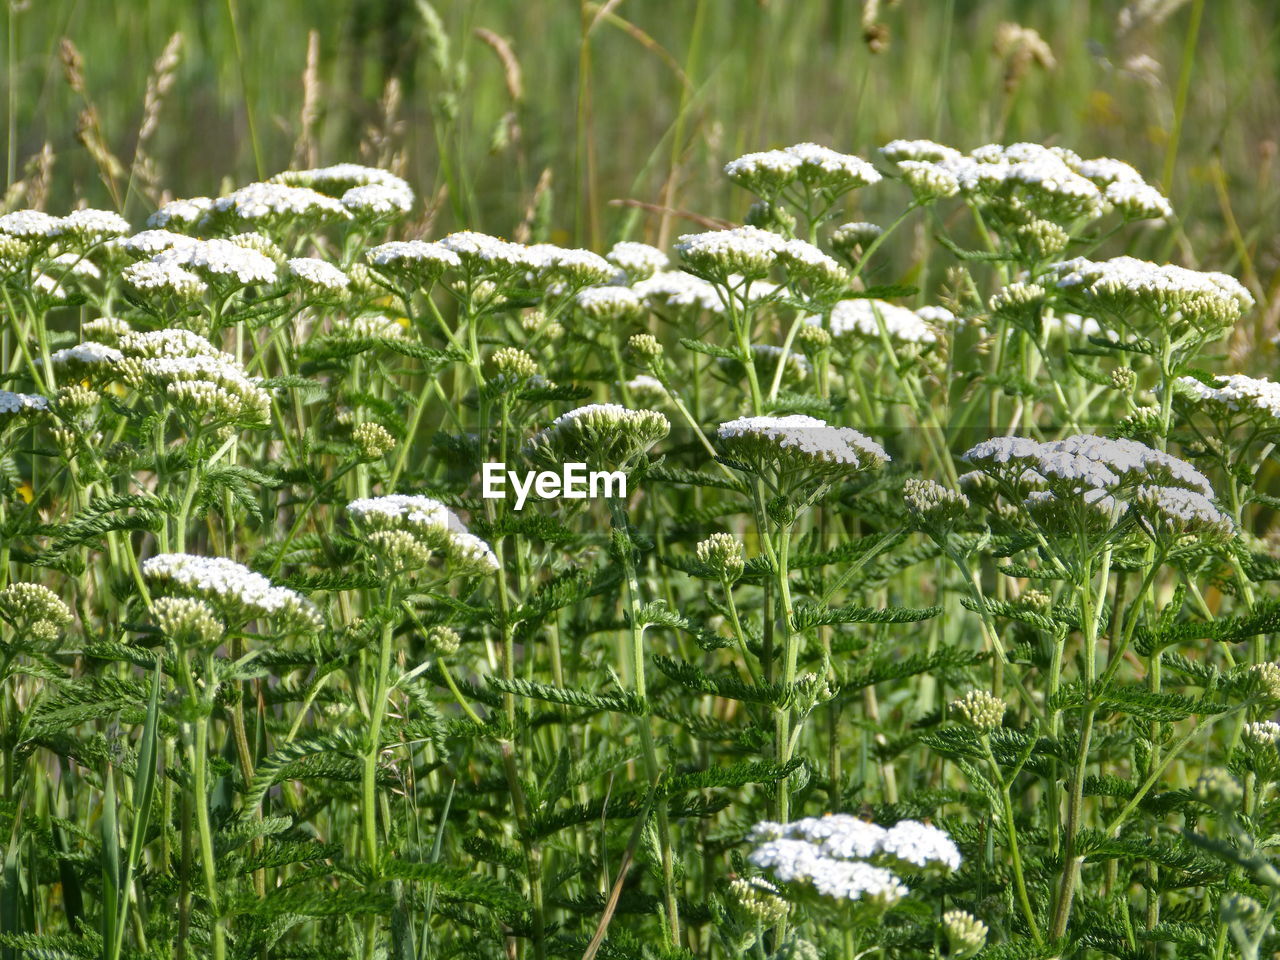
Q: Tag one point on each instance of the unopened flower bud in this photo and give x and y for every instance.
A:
(760, 900)
(1042, 239)
(722, 552)
(645, 346)
(1123, 379)
(373, 440)
(966, 934)
(1218, 788)
(514, 364)
(980, 710)
(443, 641)
(188, 622)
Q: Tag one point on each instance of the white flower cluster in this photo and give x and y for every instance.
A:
(602, 435)
(862, 318)
(639, 260)
(171, 342)
(1174, 511)
(182, 213)
(220, 261)
(1124, 284)
(88, 353)
(805, 439)
(318, 274)
(550, 265)
(748, 250)
(152, 241)
(105, 329)
(895, 151)
(76, 265)
(84, 225)
(830, 855)
(341, 177)
(679, 290)
(1257, 396)
(194, 374)
(1104, 476)
(610, 303)
(95, 224)
(378, 200)
(415, 260)
(152, 277)
(799, 862)
(1264, 733)
(279, 201)
(433, 524)
(11, 402)
(820, 167)
(30, 225)
(1050, 181)
(730, 256)
(233, 587)
(481, 251)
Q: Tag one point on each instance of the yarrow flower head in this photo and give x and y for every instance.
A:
(863, 317)
(32, 225)
(1265, 678)
(1171, 512)
(152, 278)
(150, 242)
(610, 303)
(22, 403)
(414, 260)
(799, 863)
(201, 380)
(932, 504)
(277, 205)
(980, 710)
(87, 354)
(719, 254)
(677, 290)
(94, 226)
(563, 269)
(721, 554)
(1256, 398)
(1139, 294)
(318, 276)
(23, 605)
(896, 151)
(434, 527)
(221, 262)
(966, 934)
(928, 181)
(377, 201)
(602, 435)
(337, 179)
(188, 621)
(638, 260)
(850, 236)
(372, 440)
(181, 213)
(759, 899)
(238, 593)
(798, 444)
(844, 858)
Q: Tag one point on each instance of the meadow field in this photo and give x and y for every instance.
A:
(652, 479)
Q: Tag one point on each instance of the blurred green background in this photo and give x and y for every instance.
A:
(639, 101)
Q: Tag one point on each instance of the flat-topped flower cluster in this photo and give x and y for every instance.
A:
(842, 857)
